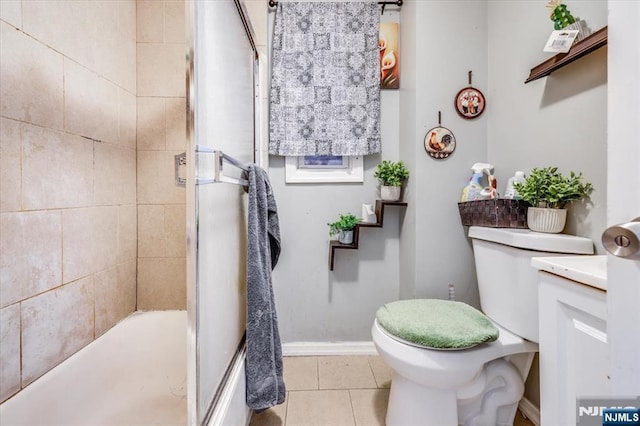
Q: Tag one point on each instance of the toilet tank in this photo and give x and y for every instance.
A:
(507, 283)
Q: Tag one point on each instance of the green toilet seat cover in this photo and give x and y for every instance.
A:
(438, 324)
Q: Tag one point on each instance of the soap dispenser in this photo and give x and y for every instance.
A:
(511, 192)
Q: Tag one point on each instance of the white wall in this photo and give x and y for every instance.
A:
(440, 42)
(444, 40)
(315, 304)
(560, 120)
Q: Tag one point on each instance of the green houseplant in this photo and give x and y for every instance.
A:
(391, 176)
(344, 228)
(549, 191)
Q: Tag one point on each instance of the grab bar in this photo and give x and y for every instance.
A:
(219, 176)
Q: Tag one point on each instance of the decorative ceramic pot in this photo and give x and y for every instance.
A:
(390, 193)
(346, 237)
(546, 220)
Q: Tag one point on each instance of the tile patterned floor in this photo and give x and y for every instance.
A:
(334, 391)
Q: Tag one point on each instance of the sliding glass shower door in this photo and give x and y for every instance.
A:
(222, 116)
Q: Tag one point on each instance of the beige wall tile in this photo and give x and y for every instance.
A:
(126, 69)
(161, 69)
(127, 232)
(127, 277)
(105, 237)
(175, 228)
(162, 230)
(57, 169)
(10, 165)
(115, 42)
(174, 25)
(156, 178)
(11, 12)
(301, 372)
(176, 123)
(115, 295)
(151, 124)
(91, 104)
(369, 406)
(345, 372)
(30, 254)
(106, 293)
(89, 241)
(162, 284)
(320, 408)
(150, 18)
(128, 19)
(127, 119)
(9, 351)
(115, 175)
(67, 26)
(54, 326)
(31, 79)
(77, 243)
(151, 234)
(257, 10)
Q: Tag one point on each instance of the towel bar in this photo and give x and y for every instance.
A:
(219, 176)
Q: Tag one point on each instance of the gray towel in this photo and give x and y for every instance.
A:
(263, 368)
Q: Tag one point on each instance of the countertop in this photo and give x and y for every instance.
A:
(589, 270)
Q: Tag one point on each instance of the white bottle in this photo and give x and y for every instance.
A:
(511, 191)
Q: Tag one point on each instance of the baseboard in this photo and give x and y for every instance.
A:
(530, 411)
(328, 348)
(231, 408)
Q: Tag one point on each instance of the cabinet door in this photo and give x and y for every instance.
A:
(573, 347)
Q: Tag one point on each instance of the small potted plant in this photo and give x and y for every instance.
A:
(344, 228)
(549, 191)
(391, 176)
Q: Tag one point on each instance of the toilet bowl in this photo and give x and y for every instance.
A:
(481, 385)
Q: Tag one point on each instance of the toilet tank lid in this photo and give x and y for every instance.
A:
(530, 240)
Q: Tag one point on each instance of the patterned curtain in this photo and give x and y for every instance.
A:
(325, 80)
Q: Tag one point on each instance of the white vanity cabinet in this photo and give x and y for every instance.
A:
(573, 336)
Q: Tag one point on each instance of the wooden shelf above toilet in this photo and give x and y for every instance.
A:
(380, 205)
(578, 50)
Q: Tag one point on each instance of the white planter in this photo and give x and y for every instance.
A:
(346, 237)
(550, 221)
(390, 193)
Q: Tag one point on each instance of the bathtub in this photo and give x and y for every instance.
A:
(133, 374)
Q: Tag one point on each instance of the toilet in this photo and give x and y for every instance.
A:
(479, 385)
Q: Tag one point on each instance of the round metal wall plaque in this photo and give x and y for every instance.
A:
(439, 142)
(470, 103)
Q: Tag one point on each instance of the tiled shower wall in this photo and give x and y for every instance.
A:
(92, 113)
(68, 215)
(161, 134)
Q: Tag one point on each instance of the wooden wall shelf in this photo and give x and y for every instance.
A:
(578, 50)
(380, 205)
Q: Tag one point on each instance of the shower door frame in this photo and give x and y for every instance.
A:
(193, 347)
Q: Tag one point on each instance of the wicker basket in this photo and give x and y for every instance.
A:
(497, 213)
